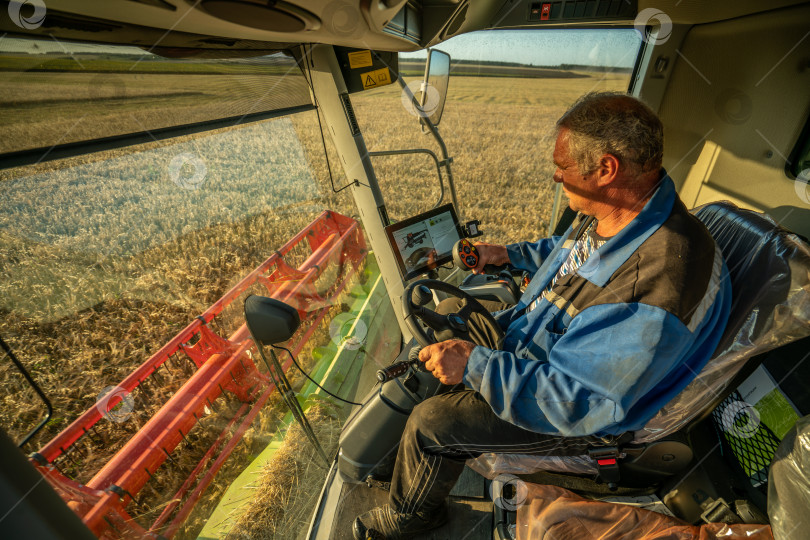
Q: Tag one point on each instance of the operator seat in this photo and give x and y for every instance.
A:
(770, 281)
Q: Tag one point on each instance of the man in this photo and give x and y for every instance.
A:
(621, 313)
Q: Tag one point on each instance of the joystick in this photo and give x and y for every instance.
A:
(465, 254)
(466, 257)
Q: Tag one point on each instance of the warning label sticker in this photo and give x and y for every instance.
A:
(360, 59)
(373, 79)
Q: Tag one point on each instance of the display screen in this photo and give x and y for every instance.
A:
(424, 242)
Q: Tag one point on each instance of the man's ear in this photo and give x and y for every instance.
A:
(608, 170)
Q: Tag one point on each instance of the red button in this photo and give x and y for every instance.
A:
(546, 12)
(609, 461)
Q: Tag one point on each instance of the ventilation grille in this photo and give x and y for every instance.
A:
(347, 108)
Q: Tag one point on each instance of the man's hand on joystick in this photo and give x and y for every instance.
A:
(479, 257)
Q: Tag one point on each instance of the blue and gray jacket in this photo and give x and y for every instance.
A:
(610, 344)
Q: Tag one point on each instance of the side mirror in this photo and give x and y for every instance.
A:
(434, 87)
(270, 321)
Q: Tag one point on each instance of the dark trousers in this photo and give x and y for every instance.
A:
(445, 430)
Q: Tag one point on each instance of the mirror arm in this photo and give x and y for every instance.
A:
(446, 160)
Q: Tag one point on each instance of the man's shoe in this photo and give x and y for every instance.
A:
(383, 523)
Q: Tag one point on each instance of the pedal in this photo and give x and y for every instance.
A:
(379, 484)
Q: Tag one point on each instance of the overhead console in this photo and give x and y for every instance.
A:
(230, 25)
(406, 23)
(271, 16)
(532, 12)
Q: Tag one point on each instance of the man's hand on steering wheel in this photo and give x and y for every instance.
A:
(447, 360)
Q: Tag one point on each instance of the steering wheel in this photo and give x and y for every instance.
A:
(419, 293)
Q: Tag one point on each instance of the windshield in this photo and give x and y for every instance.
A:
(128, 247)
(124, 274)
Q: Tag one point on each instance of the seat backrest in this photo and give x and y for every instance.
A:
(754, 251)
(770, 281)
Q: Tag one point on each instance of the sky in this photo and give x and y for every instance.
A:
(614, 47)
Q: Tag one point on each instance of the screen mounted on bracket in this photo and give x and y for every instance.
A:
(424, 241)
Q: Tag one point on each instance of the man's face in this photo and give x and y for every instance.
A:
(581, 190)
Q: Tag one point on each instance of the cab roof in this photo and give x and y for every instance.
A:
(223, 28)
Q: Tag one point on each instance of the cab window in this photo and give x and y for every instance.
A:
(507, 89)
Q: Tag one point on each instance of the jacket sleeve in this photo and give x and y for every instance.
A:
(610, 357)
(529, 256)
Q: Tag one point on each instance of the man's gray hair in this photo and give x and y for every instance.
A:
(613, 123)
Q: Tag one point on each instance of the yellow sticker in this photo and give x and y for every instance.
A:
(373, 79)
(360, 59)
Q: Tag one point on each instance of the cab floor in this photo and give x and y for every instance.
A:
(470, 510)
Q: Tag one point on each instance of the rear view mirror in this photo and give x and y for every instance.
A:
(434, 87)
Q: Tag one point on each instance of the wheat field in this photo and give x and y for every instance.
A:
(103, 258)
